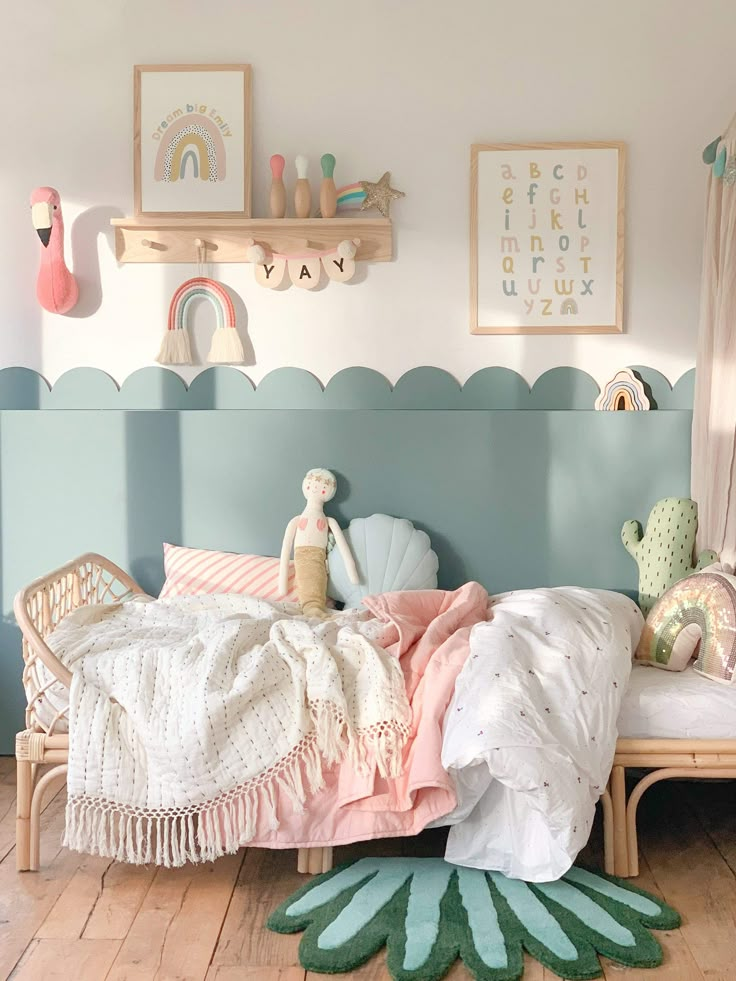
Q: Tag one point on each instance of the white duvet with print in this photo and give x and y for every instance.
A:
(531, 731)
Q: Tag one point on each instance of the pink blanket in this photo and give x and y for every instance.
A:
(429, 631)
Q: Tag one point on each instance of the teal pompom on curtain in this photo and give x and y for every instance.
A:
(717, 156)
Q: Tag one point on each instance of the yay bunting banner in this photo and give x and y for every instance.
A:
(305, 268)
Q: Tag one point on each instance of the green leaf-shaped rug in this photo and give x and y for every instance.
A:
(428, 913)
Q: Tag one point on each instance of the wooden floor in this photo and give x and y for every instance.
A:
(88, 919)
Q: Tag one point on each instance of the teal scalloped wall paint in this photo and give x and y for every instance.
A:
(293, 388)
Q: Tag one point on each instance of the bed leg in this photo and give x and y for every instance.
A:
(51, 778)
(620, 841)
(315, 861)
(24, 793)
(608, 862)
(631, 832)
(310, 861)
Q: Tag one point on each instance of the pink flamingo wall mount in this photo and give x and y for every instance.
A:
(56, 287)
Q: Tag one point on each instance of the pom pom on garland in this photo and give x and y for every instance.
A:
(347, 248)
(256, 254)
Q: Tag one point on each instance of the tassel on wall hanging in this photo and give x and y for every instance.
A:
(226, 347)
(304, 268)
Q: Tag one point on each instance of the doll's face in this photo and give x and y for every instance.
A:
(319, 485)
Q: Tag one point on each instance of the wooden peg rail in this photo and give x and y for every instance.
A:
(227, 239)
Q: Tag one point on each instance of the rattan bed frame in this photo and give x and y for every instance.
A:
(92, 579)
(665, 759)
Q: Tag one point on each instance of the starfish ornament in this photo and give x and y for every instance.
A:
(380, 195)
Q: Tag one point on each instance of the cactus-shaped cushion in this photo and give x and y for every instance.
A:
(390, 553)
(664, 553)
(699, 608)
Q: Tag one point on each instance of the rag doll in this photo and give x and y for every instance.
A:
(309, 533)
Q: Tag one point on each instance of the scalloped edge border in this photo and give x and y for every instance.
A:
(424, 388)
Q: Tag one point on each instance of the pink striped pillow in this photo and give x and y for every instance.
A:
(193, 571)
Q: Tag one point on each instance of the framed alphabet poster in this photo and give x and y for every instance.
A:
(547, 238)
(192, 140)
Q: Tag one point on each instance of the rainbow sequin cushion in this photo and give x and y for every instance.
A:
(698, 609)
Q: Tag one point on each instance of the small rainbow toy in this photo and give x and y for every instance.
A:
(226, 347)
(623, 392)
(350, 197)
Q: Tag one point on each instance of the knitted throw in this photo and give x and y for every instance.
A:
(190, 717)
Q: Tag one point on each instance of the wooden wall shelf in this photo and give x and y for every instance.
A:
(226, 239)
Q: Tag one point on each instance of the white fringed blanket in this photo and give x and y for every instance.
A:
(190, 716)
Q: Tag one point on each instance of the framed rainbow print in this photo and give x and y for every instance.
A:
(192, 140)
(547, 238)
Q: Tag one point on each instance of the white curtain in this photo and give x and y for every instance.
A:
(714, 421)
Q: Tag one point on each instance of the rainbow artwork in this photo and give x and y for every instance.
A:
(192, 146)
(624, 392)
(350, 197)
(226, 346)
(707, 600)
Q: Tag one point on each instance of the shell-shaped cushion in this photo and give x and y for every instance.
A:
(390, 554)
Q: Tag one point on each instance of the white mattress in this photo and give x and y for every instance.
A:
(676, 705)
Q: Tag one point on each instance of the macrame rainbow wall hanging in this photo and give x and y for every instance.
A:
(226, 347)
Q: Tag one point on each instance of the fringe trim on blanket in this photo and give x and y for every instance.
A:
(381, 745)
(204, 832)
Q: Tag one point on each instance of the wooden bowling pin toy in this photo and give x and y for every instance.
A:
(328, 191)
(302, 191)
(278, 191)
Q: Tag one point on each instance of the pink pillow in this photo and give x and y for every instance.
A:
(193, 571)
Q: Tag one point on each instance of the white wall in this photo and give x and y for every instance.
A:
(403, 85)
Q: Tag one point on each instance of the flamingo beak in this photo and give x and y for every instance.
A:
(41, 218)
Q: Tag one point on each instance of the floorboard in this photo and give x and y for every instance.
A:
(64, 960)
(255, 974)
(692, 876)
(123, 889)
(26, 898)
(713, 803)
(68, 917)
(266, 879)
(176, 929)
